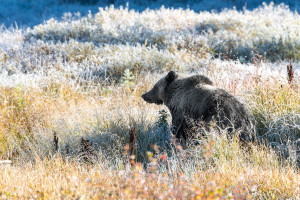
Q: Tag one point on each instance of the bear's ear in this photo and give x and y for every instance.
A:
(171, 76)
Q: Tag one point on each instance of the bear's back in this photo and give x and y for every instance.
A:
(196, 98)
(195, 80)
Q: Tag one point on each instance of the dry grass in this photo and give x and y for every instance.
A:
(81, 80)
(217, 168)
(234, 174)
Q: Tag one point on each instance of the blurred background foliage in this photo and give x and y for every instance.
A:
(30, 12)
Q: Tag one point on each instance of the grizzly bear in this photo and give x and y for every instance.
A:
(196, 98)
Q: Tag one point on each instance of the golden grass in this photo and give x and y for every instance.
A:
(277, 99)
(219, 169)
(234, 177)
(25, 111)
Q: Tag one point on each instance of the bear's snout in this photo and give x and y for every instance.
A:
(148, 97)
(144, 96)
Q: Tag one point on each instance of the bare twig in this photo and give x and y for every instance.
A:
(132, 141)
(55, 142)
(290, 72)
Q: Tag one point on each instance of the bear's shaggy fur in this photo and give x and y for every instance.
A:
(196, 98)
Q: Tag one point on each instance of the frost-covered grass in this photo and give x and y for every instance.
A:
(104, 114)
(228, 34)
(83, 77)
(29, 13)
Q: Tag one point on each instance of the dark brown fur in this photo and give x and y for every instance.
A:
(196, 98)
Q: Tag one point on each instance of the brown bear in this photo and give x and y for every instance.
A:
(196, 98)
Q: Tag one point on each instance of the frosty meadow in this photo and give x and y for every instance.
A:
(74, 125)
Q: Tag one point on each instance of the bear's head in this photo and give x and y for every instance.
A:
(157, 93)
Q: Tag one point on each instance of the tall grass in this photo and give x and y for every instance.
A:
(215, 168)
(81, 79)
